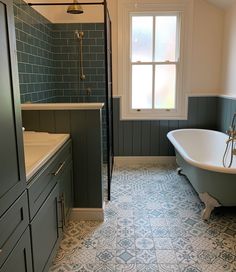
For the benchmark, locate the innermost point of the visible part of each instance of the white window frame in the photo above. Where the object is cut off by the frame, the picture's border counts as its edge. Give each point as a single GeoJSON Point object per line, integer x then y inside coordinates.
{"type": "Point", "coordinates": [125, 10]}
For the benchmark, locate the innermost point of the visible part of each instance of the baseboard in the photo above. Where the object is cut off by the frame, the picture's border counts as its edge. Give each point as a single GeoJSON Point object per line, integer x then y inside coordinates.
{"type": "Point", "coordinates": [91, 214]}
{"type": "Point", "coordinates": [131, 160]}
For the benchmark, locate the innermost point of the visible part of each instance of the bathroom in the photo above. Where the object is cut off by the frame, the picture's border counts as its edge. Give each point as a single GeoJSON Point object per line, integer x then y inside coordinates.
{"type": "Point", "coordinates": [149, 217]}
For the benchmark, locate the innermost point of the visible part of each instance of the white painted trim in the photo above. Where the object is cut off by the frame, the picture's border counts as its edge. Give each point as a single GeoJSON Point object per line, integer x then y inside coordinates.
{"type": "Point", "coordinates": [124, 9]}
{"type": "Point", "coordinates": [142, 160]}
{"type": "Point", "coordinates": [184, 117]}
{"type": "Point", "coordinates": [199, 95]}
{"type": "Point", "coordinates": [62, 106]}
{"type": "Point", "coordinates": [203, 94]}
{"type": "Point", "coordinates": [228, 96]}
{"type": "Point", "coordinates": [91, 214]}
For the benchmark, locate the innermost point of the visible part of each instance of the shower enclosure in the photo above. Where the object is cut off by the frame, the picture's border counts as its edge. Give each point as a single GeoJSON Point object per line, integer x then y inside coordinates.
{"type": "Point", "coordinates": [81, 41]}
{"type": "Point", "coordinates": [109, 99]}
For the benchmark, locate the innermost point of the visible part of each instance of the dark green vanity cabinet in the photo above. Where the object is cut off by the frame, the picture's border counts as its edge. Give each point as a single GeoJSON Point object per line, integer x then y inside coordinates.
{"type": "Point", "coordinates": [15, 247]}
{"type": "Point", "coordinates": [50, 200]}
{"type": "Point", "coordinates": [12, 180]}
{"type": "Point", "coordinates": [31, 217]}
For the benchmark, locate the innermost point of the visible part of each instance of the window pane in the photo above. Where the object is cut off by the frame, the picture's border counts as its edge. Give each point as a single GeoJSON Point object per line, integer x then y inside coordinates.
{"type": "Point", "coordinates": [165, 85]}
{"type": "Point", "coordinates": [142, 32]}
{"type": "Point", "coordinates": [141, 86]}
{"type": "Point", "coordinates": [165, 48]}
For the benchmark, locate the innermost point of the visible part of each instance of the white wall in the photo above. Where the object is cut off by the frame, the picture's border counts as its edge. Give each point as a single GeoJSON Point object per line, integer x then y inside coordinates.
{"type": "Point", "coordinates": [207, 48]}
{"type": "Point", "coordinates": [229, 55]}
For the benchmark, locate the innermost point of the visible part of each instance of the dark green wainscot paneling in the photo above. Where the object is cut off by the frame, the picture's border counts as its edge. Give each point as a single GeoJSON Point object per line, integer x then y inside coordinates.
{"type": "Point", "coordinates": [85, 128]}
{"type": "Point", "coordinates": [226, 108]}
{"type": "Point", "coordinates": [148, 138]}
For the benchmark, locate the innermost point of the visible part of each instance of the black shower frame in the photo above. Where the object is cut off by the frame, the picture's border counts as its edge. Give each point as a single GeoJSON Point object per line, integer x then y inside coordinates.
{"type": "Point", "coordinates": [108, 79]}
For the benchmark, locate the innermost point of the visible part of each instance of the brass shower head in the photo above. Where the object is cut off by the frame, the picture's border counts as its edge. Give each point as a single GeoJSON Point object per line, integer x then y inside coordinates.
{"type": "Point", "coordinates": [75, 9]}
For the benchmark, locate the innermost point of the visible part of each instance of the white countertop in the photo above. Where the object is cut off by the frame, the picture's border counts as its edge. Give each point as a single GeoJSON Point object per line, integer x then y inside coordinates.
{"type": "Point", "coordinates": [39, 147]}
{"type": "Point", "coordinates": [62, 106]}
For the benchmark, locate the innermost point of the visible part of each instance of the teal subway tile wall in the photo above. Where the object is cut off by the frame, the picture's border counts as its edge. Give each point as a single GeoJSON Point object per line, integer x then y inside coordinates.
{"type": "Point", "coordinates": [66, 49]}
{"type": "Point", "coordinates": [34, 54]}
{"type": "Point", "coordinates": [70, 88]}
{"type": "Point", "coordinates": [48, 59]}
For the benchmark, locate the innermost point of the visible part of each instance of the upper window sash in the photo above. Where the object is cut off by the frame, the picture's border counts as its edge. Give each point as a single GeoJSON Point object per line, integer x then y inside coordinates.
{"type": "Point", "coordinates": [152, 35]}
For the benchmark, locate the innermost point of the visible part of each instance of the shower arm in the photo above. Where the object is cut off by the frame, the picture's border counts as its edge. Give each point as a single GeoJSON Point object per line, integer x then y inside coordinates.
{"type": "Point", "coordinates": [65, 4]}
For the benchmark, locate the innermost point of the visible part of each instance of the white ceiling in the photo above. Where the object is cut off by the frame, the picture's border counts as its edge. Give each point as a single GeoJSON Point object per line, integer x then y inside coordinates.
{"type": "Point", "coordinates": [222, 3]}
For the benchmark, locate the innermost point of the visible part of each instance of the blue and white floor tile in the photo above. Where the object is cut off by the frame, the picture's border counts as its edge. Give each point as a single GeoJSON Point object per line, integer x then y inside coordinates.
{"type": "Point", "coordinates": [152, 224]}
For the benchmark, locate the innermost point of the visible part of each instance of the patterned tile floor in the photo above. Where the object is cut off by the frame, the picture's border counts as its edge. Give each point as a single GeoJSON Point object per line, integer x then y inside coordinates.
{"type": "Point", "coordinates": [152, 224]}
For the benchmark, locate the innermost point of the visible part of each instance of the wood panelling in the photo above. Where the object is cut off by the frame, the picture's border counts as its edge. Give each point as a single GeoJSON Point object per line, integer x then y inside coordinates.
{"type": "Point", "coordinates": [131, 138]}
{"type": "Point", "coordinates": [85, 129]}
{"type": "Point", "coordinates": [148, 138]}
{"type": "Point", "coordinates": [225, 111]}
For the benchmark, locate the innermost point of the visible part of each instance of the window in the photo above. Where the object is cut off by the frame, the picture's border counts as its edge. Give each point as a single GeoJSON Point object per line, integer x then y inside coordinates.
{"type": "Point", "coordinates": [154, 49]}
{"type": "Point", "coordinates": [154, 61]}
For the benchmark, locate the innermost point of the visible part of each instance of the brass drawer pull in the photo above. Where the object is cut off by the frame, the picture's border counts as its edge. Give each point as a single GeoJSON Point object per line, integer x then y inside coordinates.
{"type": "Point", "coordinates": [59, 169]}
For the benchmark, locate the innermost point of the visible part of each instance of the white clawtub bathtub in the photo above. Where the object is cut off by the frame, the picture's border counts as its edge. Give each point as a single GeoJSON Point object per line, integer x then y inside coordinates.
{"type": "Point", "coordinates": [200, 153]}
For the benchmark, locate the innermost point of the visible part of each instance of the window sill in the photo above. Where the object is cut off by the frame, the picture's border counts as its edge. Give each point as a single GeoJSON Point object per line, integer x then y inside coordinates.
{"type": "Point", "coordinates": [152, 117]}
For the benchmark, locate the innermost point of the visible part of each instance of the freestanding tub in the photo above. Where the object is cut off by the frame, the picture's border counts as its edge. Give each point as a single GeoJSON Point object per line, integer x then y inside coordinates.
{"type": "Point", "coordinates": [199, 153]}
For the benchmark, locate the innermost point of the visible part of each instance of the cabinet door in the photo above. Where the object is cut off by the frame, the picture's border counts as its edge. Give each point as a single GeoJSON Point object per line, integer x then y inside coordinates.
{"type": "Point", "coordinates": [45, 232]}
{"type": "Point", "coordinates": [20, 259]}
{"type": "Point", "coordinates": [66, 192]}
{"type": "Point", "coordinates": [12, 181]}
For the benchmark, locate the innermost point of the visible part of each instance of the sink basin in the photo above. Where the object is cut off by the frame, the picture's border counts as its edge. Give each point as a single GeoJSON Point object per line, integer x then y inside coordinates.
{"type": "Point", "coordinates": [41, 138]}
{"type": "Point", "coordinates": [33, 154]}
{"type": "Point", "coordinates": [39, 147]}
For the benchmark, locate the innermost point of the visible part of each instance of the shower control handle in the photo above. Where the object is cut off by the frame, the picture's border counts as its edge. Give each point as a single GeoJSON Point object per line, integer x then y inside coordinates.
{"type": "Point", "coordinates": [89, 91]}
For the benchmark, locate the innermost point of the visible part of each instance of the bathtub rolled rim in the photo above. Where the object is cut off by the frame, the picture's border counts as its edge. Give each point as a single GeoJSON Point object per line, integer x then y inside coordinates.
{"type": "Point", "coordinates": [193, 162]}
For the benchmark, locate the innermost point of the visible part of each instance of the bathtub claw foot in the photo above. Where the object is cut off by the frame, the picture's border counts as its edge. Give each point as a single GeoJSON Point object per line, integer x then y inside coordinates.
{"type": "Point", "coordinates": [179, 171]}
{"type": "Point", "coordinates": [210, 204]}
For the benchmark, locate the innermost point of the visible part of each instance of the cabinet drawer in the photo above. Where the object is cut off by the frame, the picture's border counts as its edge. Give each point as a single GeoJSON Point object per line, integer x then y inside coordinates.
{"type": "Point", "coordinates": [12, 224]}
{"type": "Point", "coordinates": [20, 259]}
{"type": "Point", "coordinates": [43, 182]}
